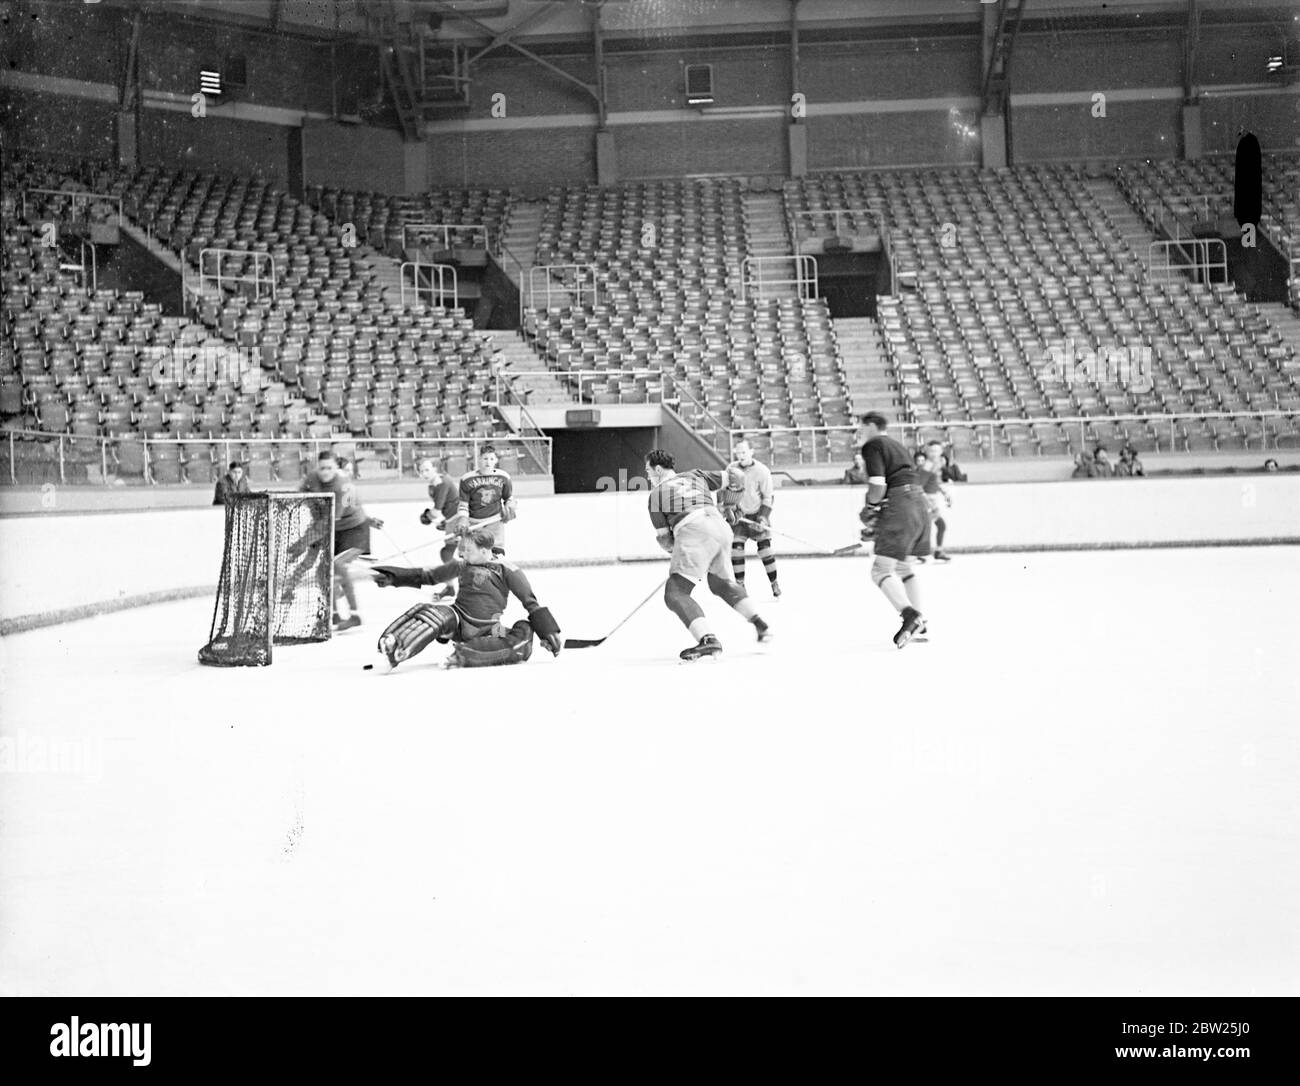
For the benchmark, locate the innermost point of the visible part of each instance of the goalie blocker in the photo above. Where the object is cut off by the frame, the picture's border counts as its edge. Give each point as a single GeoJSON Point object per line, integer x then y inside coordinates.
{"type": "Point", "coordinates": [473, 621]}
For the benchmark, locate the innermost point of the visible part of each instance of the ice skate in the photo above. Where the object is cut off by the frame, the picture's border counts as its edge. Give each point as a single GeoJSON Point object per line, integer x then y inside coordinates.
{"type": "Point", "coordinates": [708, 648]}
{"type": "Point", "coordinates": [912, 621]}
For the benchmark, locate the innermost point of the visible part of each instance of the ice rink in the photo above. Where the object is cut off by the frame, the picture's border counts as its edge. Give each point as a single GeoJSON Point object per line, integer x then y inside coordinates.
{"type": "Point", "coordinates": [1086, 782]}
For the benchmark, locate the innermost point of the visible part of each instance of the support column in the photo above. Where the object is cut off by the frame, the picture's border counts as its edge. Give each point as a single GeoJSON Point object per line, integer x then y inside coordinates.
{"type": "Point", "coordinates": [993, 140]}
{"type": "Point", "coordinates": [415, 167]}
{"type": "Point", "coordinates": [798, 138]}
{"type": "Point", "coordinates": [128, 151]}
{"type": "Point", "coordinates": [606, 158]}
{"type": "Point", "coordinates": [1193, 136]}
{"type": "Point", "coordinates": [796, 132]}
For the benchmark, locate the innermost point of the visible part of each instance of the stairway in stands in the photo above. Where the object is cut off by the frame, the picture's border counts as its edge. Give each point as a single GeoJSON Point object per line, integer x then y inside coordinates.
{"type": "Point", "coordinates": [867, 379]}
{"type": "Point", "coordinates": [523, 227]}
{"type": "Point", "coordinates": [538, 386]}
{"type": "Point", "coordinates": [767, 233]}
{"type": "Point", "coordinates": [387, 275]}
{"type": "Point", "coordinates": [1127, 222]}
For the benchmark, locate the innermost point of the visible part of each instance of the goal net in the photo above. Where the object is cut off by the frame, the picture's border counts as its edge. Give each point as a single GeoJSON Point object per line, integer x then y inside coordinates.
{"type": "Point", "coordinates": [277, 582]}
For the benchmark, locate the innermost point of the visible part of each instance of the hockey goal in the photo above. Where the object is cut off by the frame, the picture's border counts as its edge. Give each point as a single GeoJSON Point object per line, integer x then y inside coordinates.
{"type": "Point", "coordinates": [277, 584]}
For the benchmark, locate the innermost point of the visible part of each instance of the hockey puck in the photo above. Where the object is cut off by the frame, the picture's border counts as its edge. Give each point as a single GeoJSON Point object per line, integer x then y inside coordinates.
{"type": "Point", "coordinates": [368, 667]}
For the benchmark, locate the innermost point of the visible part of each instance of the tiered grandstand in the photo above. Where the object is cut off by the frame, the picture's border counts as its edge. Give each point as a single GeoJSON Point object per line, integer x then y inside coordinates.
{"type": "Point", "coordinates": [1007, 273]}
{"type": "Point", "coordinates": [1006, 280]}
{"type": "Point", "coordinates": [300, 345]}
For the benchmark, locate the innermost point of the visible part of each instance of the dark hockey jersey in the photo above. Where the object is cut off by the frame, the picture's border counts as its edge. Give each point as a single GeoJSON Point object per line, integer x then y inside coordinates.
{"type": "Point", "coordinates": [484, 590]}
{"type": "Point", "coordinates": [681, 494]}
{"type": "Point", "coordinates": [483, 492]}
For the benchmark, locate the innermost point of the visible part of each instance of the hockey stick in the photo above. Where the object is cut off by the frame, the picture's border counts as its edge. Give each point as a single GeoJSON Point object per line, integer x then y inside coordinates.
{"type": "Point", "coordinates": [580, 643]}
{"type": "Point", "coordinates": [836, 553]}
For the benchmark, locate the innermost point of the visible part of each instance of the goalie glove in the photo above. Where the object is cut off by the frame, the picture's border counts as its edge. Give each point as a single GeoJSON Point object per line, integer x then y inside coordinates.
{"type": "Point", "coordinates": [869, 516]}
{"type": "Point", "coordinates": [397, 577]}
{"type": "Point", "coordinates": [547, 630]}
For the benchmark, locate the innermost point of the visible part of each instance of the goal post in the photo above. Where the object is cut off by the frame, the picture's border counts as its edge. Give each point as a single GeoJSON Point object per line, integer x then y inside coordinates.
{"type": "Point", "coordinates": [277, 577]}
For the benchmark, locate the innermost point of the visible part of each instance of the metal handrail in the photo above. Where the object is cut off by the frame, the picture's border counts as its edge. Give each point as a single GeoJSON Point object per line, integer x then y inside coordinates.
{"type": "Point", "coordinates": [76, 195]}
{"type": "Point", "coordinates": [533, 433]}
{"type": "Point", "coordinates": [220, 279]}
{"type": "Point", "coordinates": [1199, 262]}
{"type": "Point", "coordinates": [539, 449]}
{"type": "Point", "coordinates": [904, 430]}
{"type": "Point", "coordinates": [575, 380]}
{"type": "Point", "coordinates": [553, 282]}
{"type": "Point", "coordinates": [437, 288]}
{"type": "Point", "coordinates": [446, 229]}
{"type": "Point", "coordinates": [804, 279]}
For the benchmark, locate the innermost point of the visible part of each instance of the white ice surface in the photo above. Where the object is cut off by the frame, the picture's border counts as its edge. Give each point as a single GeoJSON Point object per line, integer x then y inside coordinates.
{"type": "Point", "coordinates": [1087, 782]}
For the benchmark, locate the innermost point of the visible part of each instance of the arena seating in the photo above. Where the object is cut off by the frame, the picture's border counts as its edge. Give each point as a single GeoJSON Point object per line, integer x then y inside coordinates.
{"type": "Point", "coordinates": [666, 257]}
{"type": "Point", "coordinates": [1203, 189]}
{"type": "Point", "coordinates": [379, 218]}
{"type": "Point", "coordinates": [328, 356]}
{"type": "Point", "coordinates": [1035, 264]}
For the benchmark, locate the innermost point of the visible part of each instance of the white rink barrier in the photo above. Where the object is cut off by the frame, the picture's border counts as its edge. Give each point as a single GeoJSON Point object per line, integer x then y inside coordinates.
{"type": "Point", "coordinates": [60, 566]}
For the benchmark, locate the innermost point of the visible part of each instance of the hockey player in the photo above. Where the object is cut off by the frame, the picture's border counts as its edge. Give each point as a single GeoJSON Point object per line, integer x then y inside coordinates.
{"type": "Point", "coordinates": [486, 499]}
{"type": "Point", "coordinates": [938, 494]}
{"type": "Point", "coordinates": [689, 527]}
{"type": "Point", "coordinates": [351, 527]}
{"type": "Point", "coordinates": [896, 518]}
{"type": "Point", "coordinates": [473, 621]}
{"type": "Point", "coordinates": [748, 509]}
{"type": "Point", "coordinates": [444, 495]}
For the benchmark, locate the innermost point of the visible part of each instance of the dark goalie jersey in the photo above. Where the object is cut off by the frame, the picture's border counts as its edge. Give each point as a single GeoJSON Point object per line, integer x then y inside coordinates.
{"type": "Point", "coordinates": [484, 590]}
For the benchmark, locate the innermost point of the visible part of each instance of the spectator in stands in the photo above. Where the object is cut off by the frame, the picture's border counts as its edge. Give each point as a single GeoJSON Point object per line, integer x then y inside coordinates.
{"type": "Point", "coordinates": [1129, 464]}
{"type": "Point", "coordinates": [1085, 466]}
{"type": "Point", "coordinates": [1101, 461]}
{"type": "Point", "coordinates": [1270, 464]}
{"type": "Point", "coordinates": [233, 482]}
{"type": "Point", "coordinates": [856, 475]}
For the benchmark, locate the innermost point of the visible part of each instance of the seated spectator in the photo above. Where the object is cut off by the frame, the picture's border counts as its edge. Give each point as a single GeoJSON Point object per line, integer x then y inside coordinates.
{"type": "Point", "coordinates": [1101, 461]}
{"type": "Point", "coordinates": [233, 482]}
{"type": "Point", "coordinates": [1085, 466]}
{"type": "Point", "coordinates": [857, 475]}
{"type": "Point", "coordinates": [1270, 464]}
{"type": "Point", "coordinates": [949, 470]}
{"type": "Point", "coordinates": [1129, 464]}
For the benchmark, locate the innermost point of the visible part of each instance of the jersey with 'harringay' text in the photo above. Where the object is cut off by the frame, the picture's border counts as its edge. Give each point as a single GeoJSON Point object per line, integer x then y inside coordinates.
{"type": "Point", "coordinates": [887, 459]}
{"type": "Point", "coordinates": [483, 492]}
{"type": "Point", "coordinates": [682, 494]}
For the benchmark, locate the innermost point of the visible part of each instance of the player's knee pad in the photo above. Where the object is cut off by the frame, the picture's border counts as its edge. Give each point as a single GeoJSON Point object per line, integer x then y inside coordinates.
{"type": "Point", "coordinates": [492, 650]}
{"type": "Point", "coordinates": [729, 592]}
{"type": "Point", "coordinates": [882, 569]}
{"type": "Point", "coordinates": [903, 568]}
{"type": "Point", "coordinates": [410, 633]}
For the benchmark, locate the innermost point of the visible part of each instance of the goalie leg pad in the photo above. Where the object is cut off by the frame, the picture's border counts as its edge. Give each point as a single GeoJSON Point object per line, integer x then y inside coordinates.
{"type": "Point", "coordinates": [410, 633]}
{"type": "Point", "coordinates": [513, 647]}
